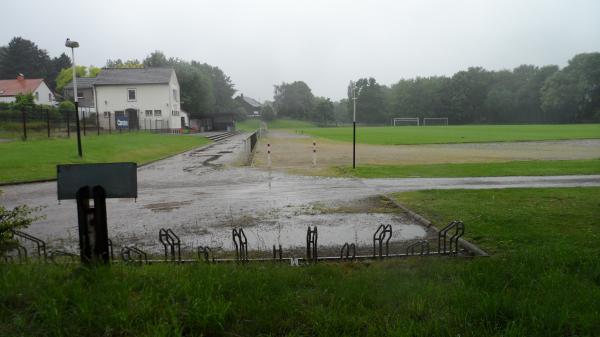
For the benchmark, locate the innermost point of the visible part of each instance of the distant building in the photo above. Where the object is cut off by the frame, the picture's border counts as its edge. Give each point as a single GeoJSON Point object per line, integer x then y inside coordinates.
{"type": "Point", "coordinates": [138, 98]}
{"type": "Point", "coordinates": [9, 89]}
{"type": "Point", "coordinates": [85, 94]}
{"type": "Point", "coordinates": [250, 105]}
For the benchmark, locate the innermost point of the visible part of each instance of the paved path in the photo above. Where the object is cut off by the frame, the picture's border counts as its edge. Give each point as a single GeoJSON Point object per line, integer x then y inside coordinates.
{"type": "Point", "coordinates": [192, 191]}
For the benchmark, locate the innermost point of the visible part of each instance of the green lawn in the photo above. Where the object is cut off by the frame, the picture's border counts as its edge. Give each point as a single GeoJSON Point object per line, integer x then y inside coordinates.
{"type": "Point", "coordinates": [37, 159]}
{"type": "Point", "coordinates": [512, 168]}
{"type": "Point", "coordinates": [543, 279]}
{"type": "Point", "coordinates": [458, 134]}
{"type": "Point", "coordinates": [253, 124]}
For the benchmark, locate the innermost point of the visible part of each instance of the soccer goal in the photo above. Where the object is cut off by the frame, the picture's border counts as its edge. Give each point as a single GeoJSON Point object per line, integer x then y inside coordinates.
{"type": "Point", "coordinates": [435, 121]}
{"type": "Point", "coordinates": [405, 121]}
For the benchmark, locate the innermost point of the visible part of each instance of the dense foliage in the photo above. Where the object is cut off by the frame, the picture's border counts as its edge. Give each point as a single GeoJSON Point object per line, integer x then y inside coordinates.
{"type": "Point", "coordinates": [526, 94]}
{"type": "Point", "coordinates": [25, 57]}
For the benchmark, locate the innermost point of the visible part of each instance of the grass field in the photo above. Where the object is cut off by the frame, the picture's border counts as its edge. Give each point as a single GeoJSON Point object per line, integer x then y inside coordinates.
{"type": "Point", "coordinates": [512, 168]}
{"type": "Point", "coordinates": [543, 279]}
{"type": "Point", "coordinates": [37, 159]}
{"type": "Point", "coordinates": [457, 134]}
{"type": "Point", "coordinates": [253, 124]}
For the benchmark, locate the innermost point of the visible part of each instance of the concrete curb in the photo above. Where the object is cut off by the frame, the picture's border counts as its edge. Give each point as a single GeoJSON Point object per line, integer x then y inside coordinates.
{"type": "Point", "coordinates": [427, 223]}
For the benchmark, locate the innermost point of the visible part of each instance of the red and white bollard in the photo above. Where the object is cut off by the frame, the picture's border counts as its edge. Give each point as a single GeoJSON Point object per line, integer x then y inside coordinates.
{"type": "Point", "coordinates": [314, 153]}
{"type": "Point", "coordinates": [268, 155]}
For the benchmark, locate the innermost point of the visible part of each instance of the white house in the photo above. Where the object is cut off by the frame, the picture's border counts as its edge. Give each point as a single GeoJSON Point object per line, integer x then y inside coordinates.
{"type": "Point", "coordinates": [9, 89]}
{"type": "Point", "coordinates": [139, 98]}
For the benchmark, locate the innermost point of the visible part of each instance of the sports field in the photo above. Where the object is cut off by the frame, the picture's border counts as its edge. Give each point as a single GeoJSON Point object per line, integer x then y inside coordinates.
{"type": "Point", "coordinates": [456, 134]}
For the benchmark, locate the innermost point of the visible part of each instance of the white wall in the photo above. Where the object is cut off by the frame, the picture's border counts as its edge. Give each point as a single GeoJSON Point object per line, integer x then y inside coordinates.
{"type": "Point", "coordinates": [148, 97]}
{"type": "Point", "coordinates": [42, 92]}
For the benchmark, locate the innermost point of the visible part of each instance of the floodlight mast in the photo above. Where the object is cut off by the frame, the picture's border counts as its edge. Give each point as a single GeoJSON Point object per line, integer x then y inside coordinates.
{"type": "Point", "coordinates": [73, 45]}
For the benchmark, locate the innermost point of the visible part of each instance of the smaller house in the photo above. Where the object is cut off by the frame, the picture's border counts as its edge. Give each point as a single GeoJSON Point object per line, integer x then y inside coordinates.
{"type": "Point", "coordinates": [9, 89]}
{"type": "Point", "coordinates": [85, 92]}
{"type": "Point", "coordinates": [250, 105]}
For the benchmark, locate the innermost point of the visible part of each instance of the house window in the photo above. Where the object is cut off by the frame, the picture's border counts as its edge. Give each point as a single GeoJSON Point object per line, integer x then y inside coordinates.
{"type": "Point", "coordinates": [80, 95]}
{"type": "Point", "coordinates": [175, 113]}
{"type": "Point", "coordinates": [50, 97]}
{"type": "Point", "coordinates": [157, 113]}
{"type": "Point", "coordinates": [131, 95]}
{"type": "Point", "coordinates": [106, 114]}
{"type": "Point", "coordinates": [175, 95]}
{"type": "Point", "coordinates": [37, 96]}
{"type": "Point", "coordinates": [148, 113]}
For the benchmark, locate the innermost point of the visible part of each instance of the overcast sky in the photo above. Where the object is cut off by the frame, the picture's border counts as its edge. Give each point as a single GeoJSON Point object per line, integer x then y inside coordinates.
{"type": "Point", "coordinates": [324, 43]}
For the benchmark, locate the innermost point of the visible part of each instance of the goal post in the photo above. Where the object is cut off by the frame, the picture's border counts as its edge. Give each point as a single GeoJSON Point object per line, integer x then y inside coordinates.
{"type": "Point", "coordinates": [403, 121]}
{"type": "Point", "coordinates": [435, 121]}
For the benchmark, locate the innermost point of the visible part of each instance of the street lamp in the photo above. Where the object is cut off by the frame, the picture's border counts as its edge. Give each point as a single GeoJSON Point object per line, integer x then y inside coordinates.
{"type": "Point", "coordinates": [353, 88]}
{"type": "Point", "coordinates": [73, 45]}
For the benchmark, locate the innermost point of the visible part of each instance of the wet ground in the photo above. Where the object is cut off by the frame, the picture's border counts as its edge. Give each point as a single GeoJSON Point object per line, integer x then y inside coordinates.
{"type": "Point", "coordinates": [201, 197]}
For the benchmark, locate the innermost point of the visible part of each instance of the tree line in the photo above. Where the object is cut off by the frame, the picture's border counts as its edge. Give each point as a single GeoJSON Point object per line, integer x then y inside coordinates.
{"type": "Point", "coordinates": [525, 94]}
{"type": "Point", "coordinates": [205, 89]}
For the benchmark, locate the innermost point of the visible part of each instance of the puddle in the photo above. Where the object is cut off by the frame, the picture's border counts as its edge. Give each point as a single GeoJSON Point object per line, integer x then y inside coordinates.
{"type": "Point", "coordinates": [167, 206]}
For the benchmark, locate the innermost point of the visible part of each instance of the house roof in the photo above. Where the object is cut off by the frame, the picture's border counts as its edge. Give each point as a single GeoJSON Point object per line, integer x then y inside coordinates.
{"type": "Point", "coordinates": [125, 76]}
{"type": "Point", "coordinates": [82, 83]}
{"type": "Point", "coordinates": [251, 101]}
{"type": "Point", "coordinates": [19, 86]}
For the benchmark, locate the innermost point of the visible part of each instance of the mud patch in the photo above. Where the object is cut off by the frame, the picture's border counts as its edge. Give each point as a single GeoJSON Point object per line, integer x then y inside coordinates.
{"type": "Point", "coordinates": [167, 206]}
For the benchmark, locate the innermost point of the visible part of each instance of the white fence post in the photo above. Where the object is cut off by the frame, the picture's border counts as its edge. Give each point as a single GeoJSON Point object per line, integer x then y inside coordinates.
{"type": "Point", "coordinates": [269, 155]}
{"type": "Point", "coordinates": [314, 153]}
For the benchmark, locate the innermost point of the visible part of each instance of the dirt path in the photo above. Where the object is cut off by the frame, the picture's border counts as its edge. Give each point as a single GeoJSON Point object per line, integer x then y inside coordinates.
{"type": "Point", "coordinates": [294, 151]}
{"type": "Point", "coordinates": [201, 197]}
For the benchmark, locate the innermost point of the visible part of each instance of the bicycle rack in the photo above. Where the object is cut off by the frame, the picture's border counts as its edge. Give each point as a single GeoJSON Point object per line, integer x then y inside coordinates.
{"type": "Point", "coordinates": [204, 253]}
{"type": "Point", "coordinates": [171, 242]}
{"type": "Point", "coordinates": [40, 244]}
{"type": "Point", "coordinates": [21, 253]}
{"type": "Point", "coordinates": [422, 244]}
{"type": "Point", "coordinates": [55, 253]}
{"type": "Point", "coordinates": [140, 255]}
{"type": "Point", "coordinates": [445, 245]}
{"type": "Point", "coordinates": [110, 249]}
{"type": "Point", "coordinates": [345, 252]}
{"type": "Point", "coordinates": [241, 244]}
{"type": "Point", "coordinates": [277, 253]}
{"type": "Point", "coordinates": [311, 243]}
{"type": "Point", "coordinates": [382, 232]}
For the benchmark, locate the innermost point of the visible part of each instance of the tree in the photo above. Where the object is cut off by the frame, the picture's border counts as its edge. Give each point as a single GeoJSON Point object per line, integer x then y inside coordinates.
{"type": "Point", "coordinates": [370, 102]}
{"type": "Point", "coordinates": [24, 101]}
{"type": "Point", "coordinates": [66, 75]}
{"type": "Point", "coordinates": [293, 100]}
{"type": "Point", "coordinates": [13, 219]}
{"type": "Point", "coordinates": [573, 93]}
{"type": "Point", "coordinates": [118, 63]}
{"type": "Point", "coordinates": [23, 56]}
{"type": "Point", "coordinates": [323, 110]}
{"type": "Point", "coordinates": [267, 112]}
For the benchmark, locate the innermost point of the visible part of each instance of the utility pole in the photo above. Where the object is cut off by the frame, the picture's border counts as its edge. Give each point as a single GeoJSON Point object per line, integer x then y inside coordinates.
{"type": "Point", "coordinates": [353, 126]}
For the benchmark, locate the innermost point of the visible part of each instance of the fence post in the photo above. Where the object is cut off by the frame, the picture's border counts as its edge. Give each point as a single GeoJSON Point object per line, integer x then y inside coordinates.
{"type": "Point", "coordinates": [48, 121]}
{"type": "Point", "coordinates": [68, 126]}
{"type": "Point", "coordinates": [97, 122]}
{"type": "Point", "coordinates": [109, 123]}
{"type": "Point", "coordinates": [83, 114]}
{"type": "Point", "coordinates": [24, 123]}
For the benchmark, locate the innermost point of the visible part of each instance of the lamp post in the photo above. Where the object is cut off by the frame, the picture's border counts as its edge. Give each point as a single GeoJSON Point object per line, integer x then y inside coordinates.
{"type": "Point", "coordinates": [73, 45]}
{"type": "Point", "coordinates": [353, 88]}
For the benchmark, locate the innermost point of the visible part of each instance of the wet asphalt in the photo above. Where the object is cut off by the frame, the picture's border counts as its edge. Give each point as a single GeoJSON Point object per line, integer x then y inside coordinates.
{"type": "Point", "coordinates": [200, 196]}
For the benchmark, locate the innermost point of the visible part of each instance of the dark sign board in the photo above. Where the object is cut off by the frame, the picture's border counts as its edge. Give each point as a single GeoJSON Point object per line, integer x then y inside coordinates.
{"type": "Point", "coordinates": [122, 122]}
{"type": "Point", "coordinates": [119, 180]}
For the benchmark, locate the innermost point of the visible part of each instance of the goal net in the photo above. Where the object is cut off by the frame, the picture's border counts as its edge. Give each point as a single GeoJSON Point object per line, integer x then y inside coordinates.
{"type": "Point", "coordinates": [435, 121]}
{"type": "Point", "coordinates": [405, 121]}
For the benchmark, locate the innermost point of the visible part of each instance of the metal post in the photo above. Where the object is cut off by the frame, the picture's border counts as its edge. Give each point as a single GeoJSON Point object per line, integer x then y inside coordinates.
{"type": "Point", "coordinates": [354, 127]}
{"type": "Point", "coordinates": [68, 126]}
{"type": "Point", "coordinates": [84, 128]}
{"type": "Point", "coordinates": [109, 123]}
{"type": "Point", "coordinates": [48, 121]}
{"type": "Point", "coordinates": [97, 122]}
{"type": "Point", "coordinates": [24, 123]}
{"type": "Point", "coordinates": [79, 151]}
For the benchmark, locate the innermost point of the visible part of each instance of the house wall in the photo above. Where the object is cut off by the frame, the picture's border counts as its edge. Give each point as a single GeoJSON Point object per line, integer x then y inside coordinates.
{"type": "Point", "coordinates": [88, 99]}
{"type": "Point", "coordinates": [43, 95]}
{"type": "Point", "coordinates": [148, 97]}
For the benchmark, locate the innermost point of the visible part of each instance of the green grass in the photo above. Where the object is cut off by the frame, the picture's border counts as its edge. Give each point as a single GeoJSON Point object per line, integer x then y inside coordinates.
{"type": "Point", "coordinates": [512, 168]}
{"type": "Point", "coordinates": [458, 134]}
{"type": "Point", "coordinates": [543, 280]}
{"type": "Point", "coordinates": [253, 124]}
{"type": "Point", "coordinates": [37, 159]}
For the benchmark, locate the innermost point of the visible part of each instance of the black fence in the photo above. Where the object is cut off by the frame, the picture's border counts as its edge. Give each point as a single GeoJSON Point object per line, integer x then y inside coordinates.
{"type": "Point", "coordinates": [45, 122]}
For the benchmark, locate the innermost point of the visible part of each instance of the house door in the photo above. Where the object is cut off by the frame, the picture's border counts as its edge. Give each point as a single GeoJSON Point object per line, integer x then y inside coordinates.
{"type": "Point", "coordinates": [183, 122]}
{"type": "Point", "coordinates": [133, 119]}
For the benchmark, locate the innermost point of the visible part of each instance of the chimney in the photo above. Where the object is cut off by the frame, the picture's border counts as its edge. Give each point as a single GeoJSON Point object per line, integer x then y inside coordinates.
{"type": "Point", "coordinates": [21, 77]}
